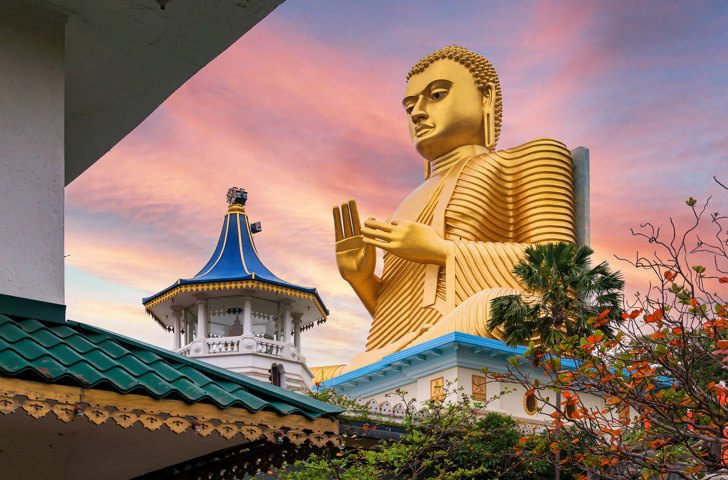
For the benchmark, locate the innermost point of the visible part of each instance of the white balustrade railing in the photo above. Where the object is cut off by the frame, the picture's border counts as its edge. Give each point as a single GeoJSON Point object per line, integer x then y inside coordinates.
{"type": "Point", "coordinates": [223, 345]}
{"type": "Point", "coordinates": [269, 347]}
{"type": "Point", "coordinates": [234, 345]}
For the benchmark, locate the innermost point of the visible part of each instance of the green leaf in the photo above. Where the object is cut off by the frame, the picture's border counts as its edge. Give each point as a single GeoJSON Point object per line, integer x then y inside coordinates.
{"type": "Point", "coordinates": [513, 361]}
{"type": "Point", "coordinates": [691, 202]}
{"type": "Point", "coordinates": [556, 362]}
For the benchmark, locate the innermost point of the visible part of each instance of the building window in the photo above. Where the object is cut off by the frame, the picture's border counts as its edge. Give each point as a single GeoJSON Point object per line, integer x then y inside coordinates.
{"type": "Point", "coordinates": [479, 390]}
{"type": "Point", "coordinates": [277, 376]}
{"type": "Point", "coordinates": [530, 404]}
{"type": "Point", "coordinates": [436, 389]}
{"type": "Point", "coordinates": [624, 415]}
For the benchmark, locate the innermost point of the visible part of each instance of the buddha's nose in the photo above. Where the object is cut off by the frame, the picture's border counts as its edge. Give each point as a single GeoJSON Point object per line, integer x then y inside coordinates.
{"type": "Point", "coordinates": [418, 114]}
{"type": "Point", "coordinates": [418, 111]}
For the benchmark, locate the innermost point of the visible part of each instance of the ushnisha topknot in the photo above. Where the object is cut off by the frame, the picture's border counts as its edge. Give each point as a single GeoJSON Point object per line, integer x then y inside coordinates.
{"type": "Point", "coordinates": [481, 69]}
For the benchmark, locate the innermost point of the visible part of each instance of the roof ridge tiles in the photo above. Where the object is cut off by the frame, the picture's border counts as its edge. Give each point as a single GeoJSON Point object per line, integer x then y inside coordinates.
{"type": "Point", "coordinates": [27, 348]}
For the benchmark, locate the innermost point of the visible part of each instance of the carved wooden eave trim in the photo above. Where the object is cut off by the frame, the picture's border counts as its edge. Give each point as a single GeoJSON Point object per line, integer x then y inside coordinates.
{"type": "Point", "coordinates": [229, 285]}
{"type": "Point", "coordinates": [98, 406]}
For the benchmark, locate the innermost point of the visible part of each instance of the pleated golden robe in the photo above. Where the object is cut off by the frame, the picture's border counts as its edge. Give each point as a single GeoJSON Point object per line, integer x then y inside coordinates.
{"type": "Point", "coordinates": [489, 208]}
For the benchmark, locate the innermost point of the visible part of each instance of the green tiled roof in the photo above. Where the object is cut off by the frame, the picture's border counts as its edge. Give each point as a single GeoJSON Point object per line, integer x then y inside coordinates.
{"type": "Point", "coordinates": [72, 353]}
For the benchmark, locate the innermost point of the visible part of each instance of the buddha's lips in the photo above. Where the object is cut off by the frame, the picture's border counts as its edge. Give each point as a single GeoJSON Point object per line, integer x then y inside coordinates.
{"type": "Point", "coordinates": [422, 129]}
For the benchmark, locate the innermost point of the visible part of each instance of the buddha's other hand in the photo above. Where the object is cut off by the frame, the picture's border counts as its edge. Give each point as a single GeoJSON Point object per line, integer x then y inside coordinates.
{"type": "Point", "coordinates": [412, 241]}
{"type": "Point", "coordinates": [355, 259]}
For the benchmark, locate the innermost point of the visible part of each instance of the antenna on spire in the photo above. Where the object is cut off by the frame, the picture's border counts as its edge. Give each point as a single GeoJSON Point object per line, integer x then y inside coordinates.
{"type": "Point", "coordinates": [237, 195]}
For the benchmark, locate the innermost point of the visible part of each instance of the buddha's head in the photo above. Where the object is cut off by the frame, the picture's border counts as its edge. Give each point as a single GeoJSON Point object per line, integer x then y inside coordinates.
{"type": "Point", "coordinates": [453, 98]}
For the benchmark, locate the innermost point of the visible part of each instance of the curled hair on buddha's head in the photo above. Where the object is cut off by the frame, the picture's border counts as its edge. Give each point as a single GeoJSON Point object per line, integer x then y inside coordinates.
{"type": "Point", "coordinates": [481, 69]}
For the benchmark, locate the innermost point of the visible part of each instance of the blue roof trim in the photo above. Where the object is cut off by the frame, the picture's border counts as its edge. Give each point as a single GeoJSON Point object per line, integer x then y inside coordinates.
{"type": "Point", "coordinates": [218, 249]}
{"type": "Point", "coordinates": [453, 337]}
{"type": "Point", "coordinates": [236, 258]}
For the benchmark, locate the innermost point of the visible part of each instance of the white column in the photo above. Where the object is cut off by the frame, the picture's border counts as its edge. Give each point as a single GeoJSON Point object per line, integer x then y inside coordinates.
{"type": "Point", "coordinates": [201, 318]}
{"type": "Point", "coordinates": [177, 313]}
{"type": "Point", "coordinates": [297, 330]}
{"type": "Point", "coordinates": [287, 326]}
{"type": "Point", "coordinates": [247, 316]}
{"type": "Point", "coordinates": [31, 154]}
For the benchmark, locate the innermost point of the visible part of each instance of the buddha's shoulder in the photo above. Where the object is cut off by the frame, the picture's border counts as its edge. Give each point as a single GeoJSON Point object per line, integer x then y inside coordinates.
{"type": "Point", "coordinates": [538, 150]}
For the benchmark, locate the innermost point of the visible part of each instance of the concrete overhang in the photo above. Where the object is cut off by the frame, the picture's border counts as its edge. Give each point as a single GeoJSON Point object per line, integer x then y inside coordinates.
{"type": "Point", "coordinates": [123, 58]}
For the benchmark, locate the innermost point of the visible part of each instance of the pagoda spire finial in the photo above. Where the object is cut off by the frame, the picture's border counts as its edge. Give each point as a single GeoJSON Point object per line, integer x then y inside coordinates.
{"type": "Point", "coordinates": [236, 198]}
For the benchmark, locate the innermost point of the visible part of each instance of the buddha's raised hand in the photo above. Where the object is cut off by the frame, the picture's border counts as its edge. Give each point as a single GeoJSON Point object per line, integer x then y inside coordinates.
{"type": "Point", "coordinates": [412, 241]}
{"type": "Point", "coordinates": [356, 261]}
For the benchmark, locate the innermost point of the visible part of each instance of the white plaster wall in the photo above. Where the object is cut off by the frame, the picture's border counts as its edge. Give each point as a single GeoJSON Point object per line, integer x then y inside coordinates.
{"type": "Point", "coordinates": [31, 156]}
{"type": "Point", "coordinates": [410, 388]}
{"type": "Point", "coordinates": [423, 383]}
{"type": "Point", "coordinates": [510, 403]}
{"type": "Point", "coordinates": [297, 375]}
{"type": "Point", "coordinates": [465, 378]}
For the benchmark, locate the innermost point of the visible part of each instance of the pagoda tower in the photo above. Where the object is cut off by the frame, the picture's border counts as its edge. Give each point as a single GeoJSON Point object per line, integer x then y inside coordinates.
{"type": "Point", "coordinates": [238, 315]}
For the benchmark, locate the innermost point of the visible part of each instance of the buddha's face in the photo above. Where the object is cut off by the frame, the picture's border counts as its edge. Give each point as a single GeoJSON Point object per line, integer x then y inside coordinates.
{"type": "Point", "coordinates": [445, 109]}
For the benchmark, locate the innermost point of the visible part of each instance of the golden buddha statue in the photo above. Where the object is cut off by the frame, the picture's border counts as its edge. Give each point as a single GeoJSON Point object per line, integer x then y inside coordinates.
{"type": "Point", "coordinates": [451, 246]}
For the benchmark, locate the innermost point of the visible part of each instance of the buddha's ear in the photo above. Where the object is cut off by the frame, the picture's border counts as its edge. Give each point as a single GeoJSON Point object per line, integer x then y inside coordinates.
{"type": "Point", "coordinates": [489, 115]}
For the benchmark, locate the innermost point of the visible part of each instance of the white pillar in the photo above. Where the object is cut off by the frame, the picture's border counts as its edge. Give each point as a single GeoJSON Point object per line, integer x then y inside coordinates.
{"type": "Point", "coordinates": [201, 318]}
{"type": "Point", "coordinates": [247, 316]}
{"type": "Point", "coordinates": [287, 326]}
{"type": "Point", "coordinates": [297, 330]}
{"type": "Point", "coordinates": [31, 154]}
{"type": "Point", "coordinates": [177, 313]}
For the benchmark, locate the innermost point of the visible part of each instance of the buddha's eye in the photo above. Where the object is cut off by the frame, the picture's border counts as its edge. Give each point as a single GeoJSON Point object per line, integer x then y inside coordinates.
{"type": "Point", "coordinates": [439, 94]}
{"type": "Point", "coordinates": [409, 109]}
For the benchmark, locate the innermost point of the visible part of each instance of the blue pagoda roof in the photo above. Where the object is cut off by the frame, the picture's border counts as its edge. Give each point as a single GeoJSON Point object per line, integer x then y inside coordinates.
{"type": "Point", "coordinates": [236, 259]}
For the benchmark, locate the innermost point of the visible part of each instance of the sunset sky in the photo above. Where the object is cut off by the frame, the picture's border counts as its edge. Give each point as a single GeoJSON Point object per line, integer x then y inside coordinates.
{"type": "Point", "coordinates": [304, 112]}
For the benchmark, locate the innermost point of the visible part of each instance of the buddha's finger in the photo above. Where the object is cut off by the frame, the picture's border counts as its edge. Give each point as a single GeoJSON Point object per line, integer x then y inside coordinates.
{"type": "Point", "coordinates": [347, 220]}
{"type": "Point", "coordinates": [355, 222]}
{"type": "Point", "coordinates": [371, 223]}
{"type": "Point", "coordinates": [337, 225]}
{"type": "Point", "coordinates": [372, 233]}
{"type": "Point", "coordinates": [377, 243]}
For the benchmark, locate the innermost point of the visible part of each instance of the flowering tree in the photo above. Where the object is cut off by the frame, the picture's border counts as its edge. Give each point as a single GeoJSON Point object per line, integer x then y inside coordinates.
{"type": "Point", "coordinates": [449, 438]}
{"type": "Point", "coordinates": [660, 375]}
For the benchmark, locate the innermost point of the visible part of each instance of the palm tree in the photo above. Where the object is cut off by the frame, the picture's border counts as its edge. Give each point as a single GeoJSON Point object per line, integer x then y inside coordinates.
{"type": "Point", "coordinates": [562, 292]}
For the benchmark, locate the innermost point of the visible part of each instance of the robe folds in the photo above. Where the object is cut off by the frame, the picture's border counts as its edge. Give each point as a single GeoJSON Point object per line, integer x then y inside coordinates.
{"type": "Point", "coordinates": [489, 208]}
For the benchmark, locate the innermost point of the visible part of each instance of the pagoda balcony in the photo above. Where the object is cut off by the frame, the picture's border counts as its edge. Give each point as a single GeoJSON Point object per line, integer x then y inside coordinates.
{"type": "Point", "coordinates": [241, 345]}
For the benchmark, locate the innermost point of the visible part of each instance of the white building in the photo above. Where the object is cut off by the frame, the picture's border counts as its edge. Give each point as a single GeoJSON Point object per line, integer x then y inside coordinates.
{"type": "Point", "coordinates": [238, 315]}
{"type": "Point", "coordinates": [457, 359]}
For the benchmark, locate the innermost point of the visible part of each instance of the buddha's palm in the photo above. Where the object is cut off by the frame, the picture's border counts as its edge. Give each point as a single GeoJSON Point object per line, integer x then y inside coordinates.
{"type": "Point", "coordinates": [355, 259]}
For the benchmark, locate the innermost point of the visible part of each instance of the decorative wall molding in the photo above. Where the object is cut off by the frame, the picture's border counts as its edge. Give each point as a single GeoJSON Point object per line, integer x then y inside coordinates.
{"type": "Point", "coordinates": [98, 406]}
